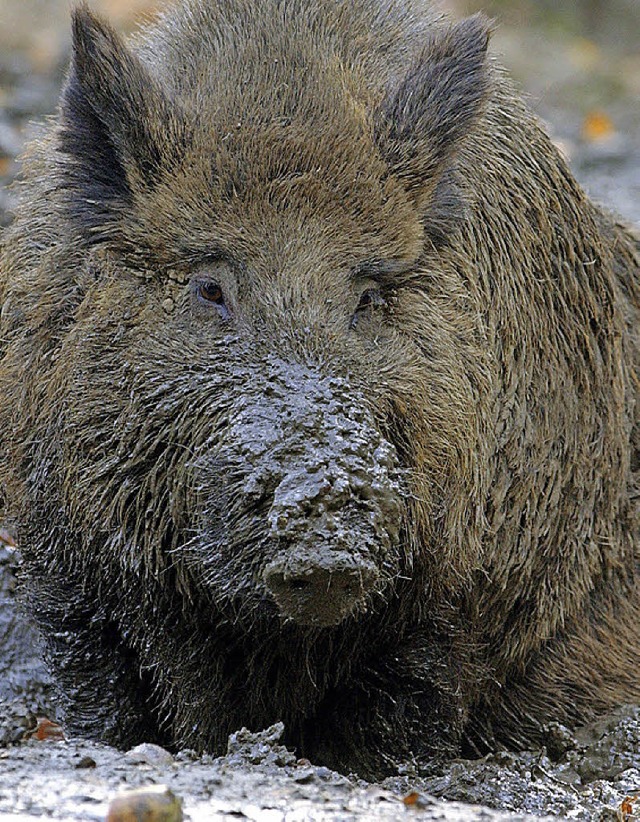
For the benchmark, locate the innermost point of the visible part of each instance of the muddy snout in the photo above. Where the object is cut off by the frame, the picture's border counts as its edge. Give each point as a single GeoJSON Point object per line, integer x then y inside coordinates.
{"type": "Point", "coordinates": [333, 535]}
{"type": "Point", "coordinates": [320, 587]}
{"type": "Point", "coordinates": [306, 499]}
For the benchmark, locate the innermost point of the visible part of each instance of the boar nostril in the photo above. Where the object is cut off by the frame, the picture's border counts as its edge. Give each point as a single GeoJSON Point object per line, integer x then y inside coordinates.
{"type": "Point", "coordinates": [319, 591]}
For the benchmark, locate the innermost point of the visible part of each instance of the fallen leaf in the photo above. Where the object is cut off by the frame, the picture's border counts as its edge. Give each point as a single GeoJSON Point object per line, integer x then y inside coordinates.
{"type": "Point", "coordinates": [46, 731]}
{"type": "Point", "coordinates": [626, 809]}
{"type": "Point", "coordinates": [6, 538]}
{"type": "Point", "coordinates": [597, 127]}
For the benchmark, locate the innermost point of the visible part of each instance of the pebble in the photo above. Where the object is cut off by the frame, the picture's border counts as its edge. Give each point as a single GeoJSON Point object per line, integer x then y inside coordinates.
{"type": "Point", "coordinates": [149, 754]}
{"type": "Point", "coordinates": [155, 803]}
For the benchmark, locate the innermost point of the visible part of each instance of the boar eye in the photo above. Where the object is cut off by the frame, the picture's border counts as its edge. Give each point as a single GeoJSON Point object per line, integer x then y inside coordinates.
{"type": "Point", "coordinates": [369, 301]}
{"type": "Point", "coordinates": [371, 298]}
{"type": "Point", "coordinates": [210, 294]}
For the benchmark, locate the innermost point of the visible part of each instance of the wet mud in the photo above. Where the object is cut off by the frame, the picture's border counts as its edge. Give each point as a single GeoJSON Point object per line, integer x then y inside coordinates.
{"type": "Point", "coordinates": [25, 690]}
{"type": "Point", "coordinates": [588, 777]}
{"type": "Point", "coordinates": [257, 780]}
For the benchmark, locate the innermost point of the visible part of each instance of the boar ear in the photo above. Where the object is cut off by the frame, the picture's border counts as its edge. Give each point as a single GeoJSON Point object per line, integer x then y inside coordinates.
{"type": "Point", "coordinates": [108, 110]}
{"type": "Point", "coordinates": [421, 123]}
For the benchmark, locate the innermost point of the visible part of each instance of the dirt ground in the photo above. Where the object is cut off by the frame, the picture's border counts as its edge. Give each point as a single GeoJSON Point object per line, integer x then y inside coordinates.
{"type": "Point", "coordinates": [582, 75]}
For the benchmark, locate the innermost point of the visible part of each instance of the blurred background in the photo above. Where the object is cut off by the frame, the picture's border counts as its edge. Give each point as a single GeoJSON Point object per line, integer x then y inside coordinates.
{"type": "Point", "coordinates": [578, 62]}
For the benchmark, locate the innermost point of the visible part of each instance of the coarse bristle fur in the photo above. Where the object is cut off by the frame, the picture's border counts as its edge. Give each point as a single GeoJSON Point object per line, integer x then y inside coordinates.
{"type": "Point", "coordinates": [299, 294]}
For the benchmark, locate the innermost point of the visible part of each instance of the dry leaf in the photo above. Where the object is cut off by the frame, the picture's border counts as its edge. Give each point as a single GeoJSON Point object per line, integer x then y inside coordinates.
{"type": "Point", "coordinates": [5, 536]}
{"type": "Point", "coordinates": [626, 810]}
{"type": "Point", "coordinates": [597, 127]}
{"type": "Point", "coordinates": [46, 731]}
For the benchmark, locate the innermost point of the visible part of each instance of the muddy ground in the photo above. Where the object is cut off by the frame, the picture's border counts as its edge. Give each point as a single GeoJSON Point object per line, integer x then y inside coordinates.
{"type": "Point", "coordinates": [584, 80]}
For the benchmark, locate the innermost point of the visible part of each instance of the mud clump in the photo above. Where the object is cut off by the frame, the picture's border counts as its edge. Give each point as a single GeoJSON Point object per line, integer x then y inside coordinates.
{"type": "Point", "coordinates": [583, 775]}
{"type": "Point", "coordinates": [79, 779]}
{"type": "Point", "coordinates": [246, 748]}
{"type": "Point", "coordinates": [609, 748]}
{"type": "Point", "coordinates": [318, 378]}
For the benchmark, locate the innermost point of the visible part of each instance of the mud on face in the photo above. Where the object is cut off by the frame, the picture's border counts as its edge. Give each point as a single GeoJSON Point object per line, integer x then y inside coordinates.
{"type": "Point", "coordinates": [301, 499]}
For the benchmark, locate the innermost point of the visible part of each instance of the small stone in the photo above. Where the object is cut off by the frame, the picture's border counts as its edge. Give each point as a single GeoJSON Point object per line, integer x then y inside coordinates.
{"type": "Point", "coordinates": [149, 754]}
{"type": "Point", "coordinates": [304, 776]}
{"type": "Point", "coordinates": [155, 803]}
{"type": "Point", "coordinates": [177, 276]}
{"type": "Point", "coordinates": [168, 305]}
{"type": "Point", "coordinates": [187, 755]}
{"type": "Point", "coordinates": [559, 740]}
{"type": "Point", "coordinates": [86, 762]}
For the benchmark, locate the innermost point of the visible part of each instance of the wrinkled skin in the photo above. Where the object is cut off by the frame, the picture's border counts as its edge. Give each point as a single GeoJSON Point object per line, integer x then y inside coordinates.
{"type": "Point", "coordinates": [318, 392]}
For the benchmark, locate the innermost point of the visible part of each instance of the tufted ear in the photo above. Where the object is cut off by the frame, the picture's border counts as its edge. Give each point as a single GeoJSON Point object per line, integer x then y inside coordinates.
{"type": "Point", "coordinates": [117, 128]}
{"type": "Point", "coordinates": [422, 121]}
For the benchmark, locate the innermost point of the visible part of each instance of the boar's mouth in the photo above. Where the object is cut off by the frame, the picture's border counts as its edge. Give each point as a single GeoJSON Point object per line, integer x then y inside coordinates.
{"type": "Point", "coordinates": [319, 588]}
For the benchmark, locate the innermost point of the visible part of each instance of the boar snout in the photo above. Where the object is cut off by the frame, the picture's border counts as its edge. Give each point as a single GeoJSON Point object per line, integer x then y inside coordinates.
{"type": "Point", "coordinates": [335, 527]}
{"type": "Point", "coordinates": [301, 500]}
{"type": "Point", "coordinates": [319, 588]}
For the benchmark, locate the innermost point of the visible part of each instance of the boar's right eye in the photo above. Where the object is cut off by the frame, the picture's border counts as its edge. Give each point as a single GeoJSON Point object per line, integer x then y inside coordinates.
{"type": "Point", "coordinates": [209, 293]}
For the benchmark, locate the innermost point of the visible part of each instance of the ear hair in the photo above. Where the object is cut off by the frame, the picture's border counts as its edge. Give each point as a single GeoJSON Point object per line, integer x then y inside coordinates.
{"type": "Point", "coordinates": [421, 122]}
{"type": "Point", "coordinates": [109, 110]}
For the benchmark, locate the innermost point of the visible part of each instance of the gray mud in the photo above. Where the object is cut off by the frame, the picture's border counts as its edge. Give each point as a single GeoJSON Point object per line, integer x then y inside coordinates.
{"type": "Point", "coordinates": [261, 780]}
{"type": "Point", "coordinates": [258, 780]}
{"type": "Point", "coordinates": [24, 685]}
{"type": "Point", "coordinates": [583, 776]}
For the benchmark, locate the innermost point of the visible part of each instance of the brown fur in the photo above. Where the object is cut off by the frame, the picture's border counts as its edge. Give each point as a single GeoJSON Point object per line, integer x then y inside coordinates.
{"type": "Point", "coordinates": [304, 154]}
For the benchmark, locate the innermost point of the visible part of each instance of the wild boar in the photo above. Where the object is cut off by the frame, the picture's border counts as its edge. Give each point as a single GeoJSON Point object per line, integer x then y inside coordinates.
{"type": "Point", "coordinates": [318, 387]}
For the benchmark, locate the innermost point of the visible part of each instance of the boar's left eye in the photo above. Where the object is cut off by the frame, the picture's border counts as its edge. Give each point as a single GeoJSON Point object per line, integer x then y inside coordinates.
{"type": "Point", "coordinates": [210, 293]}
{"type": "Point", "coordinates": [369, 301]}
